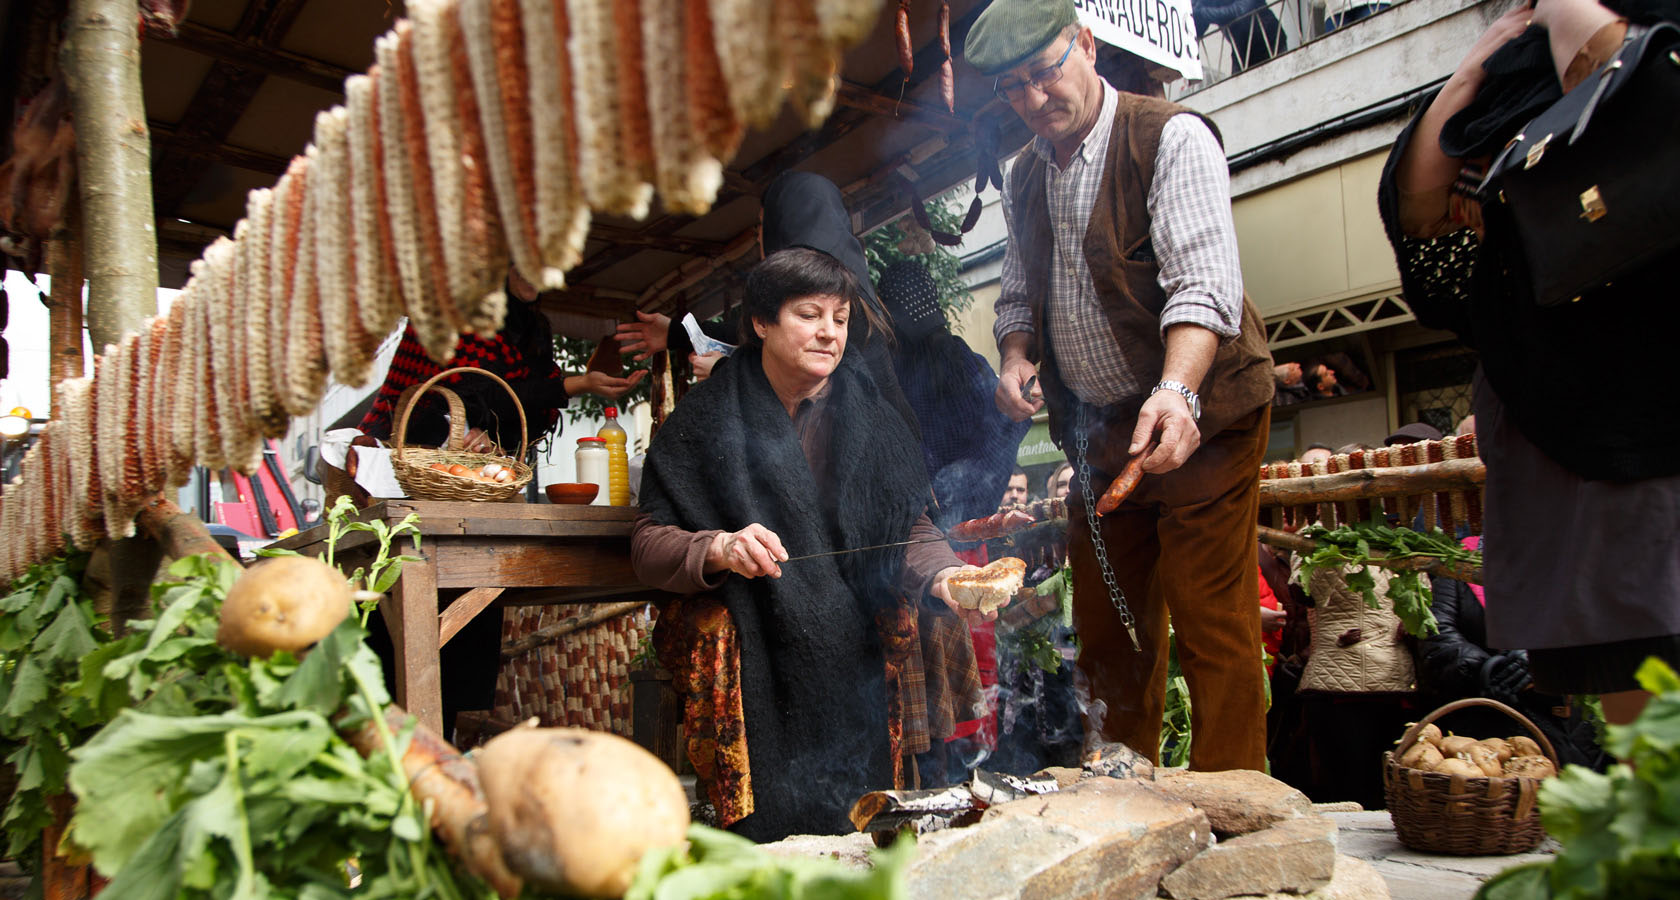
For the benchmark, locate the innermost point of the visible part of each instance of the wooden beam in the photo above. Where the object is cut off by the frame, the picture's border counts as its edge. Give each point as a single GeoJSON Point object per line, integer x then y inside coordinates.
{"type": "Point", "coordinates": [226, 154]}
{"type": "Point", "coordinates": [667, 242]}
{"type": "Point", "coordinates": [221, 98]}
{"type": "Point", "coordinates": [1372, 484]}
{"type": "Point", "coordinates": [268, 60]}
{"type": "Point", "coordinates": [856, 96]}
{"type": "Point", "coordinates": [465, 608]}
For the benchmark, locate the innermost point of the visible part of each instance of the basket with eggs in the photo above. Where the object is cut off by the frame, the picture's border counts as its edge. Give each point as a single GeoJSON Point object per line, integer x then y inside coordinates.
{"type": "Point", "coordinates": [449, 472]}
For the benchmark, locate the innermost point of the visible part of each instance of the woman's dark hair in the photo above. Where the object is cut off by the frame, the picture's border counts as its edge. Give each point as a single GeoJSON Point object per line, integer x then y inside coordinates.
{"type": "Point", "coordinates": [799, 272]}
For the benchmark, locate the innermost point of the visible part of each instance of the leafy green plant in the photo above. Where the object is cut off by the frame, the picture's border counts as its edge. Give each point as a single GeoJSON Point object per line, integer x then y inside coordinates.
{"type": "Point", "coordinates": [382, 573]}
{"type": "Point", "coordinates": [1033, 643]}
{"type": "Point", "coordinates": [1620, 830]}
{"type": "Point", "coordinates": [881, 250]}
{"type": "Point", "coordinates": [1408, 589]}
{"type": "Point", "coordinates": [47, 629]}
{"type": "Point", "coordinates": [228, 777]}
{"type": "Point", "coordinates": [718, 865]}
{"type": "Point", "coordinates": [1175, 715]}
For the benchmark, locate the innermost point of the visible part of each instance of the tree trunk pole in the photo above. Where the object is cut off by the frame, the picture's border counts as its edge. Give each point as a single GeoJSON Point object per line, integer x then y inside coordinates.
{"type": "Point", "coordinates": [114, 168]}
{"type": "Point", "coordinates": [64, 264]}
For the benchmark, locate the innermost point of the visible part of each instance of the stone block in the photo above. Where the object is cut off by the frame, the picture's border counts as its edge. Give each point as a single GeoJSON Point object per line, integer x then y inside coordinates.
{"type": "Point", "coordinates": [851, 849]}
{"type": "Point", "coordinates": [1355, 879]}
{"type": "Point", "coordinates": [1103, 838]}
{"type": "Point", "coordinates": [1295, 856]}
{"type": "Point", "coordinates": [1236, 802]}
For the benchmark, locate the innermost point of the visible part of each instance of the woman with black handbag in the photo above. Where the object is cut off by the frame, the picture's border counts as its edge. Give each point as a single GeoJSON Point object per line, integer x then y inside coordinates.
{"type": "Point", "coordinates": [1572, 400]}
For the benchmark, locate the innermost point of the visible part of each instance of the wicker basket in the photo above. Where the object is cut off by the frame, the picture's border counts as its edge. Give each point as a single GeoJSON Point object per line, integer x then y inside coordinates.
{"type": "Point", "coordinates": [1461, 816]}
{"type": "Point", "coordinates": [413, 465]}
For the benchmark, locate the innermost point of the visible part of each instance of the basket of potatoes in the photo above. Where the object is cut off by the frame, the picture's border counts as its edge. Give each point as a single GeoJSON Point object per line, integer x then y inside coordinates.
{"type": "Point", "coordinates": [450, 472]}
{"type": "Point", "coordinates": [1463, 796]}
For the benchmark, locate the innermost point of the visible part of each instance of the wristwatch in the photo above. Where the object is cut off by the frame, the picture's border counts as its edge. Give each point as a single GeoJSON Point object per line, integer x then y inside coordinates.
{"type": "Point", "coordinates": [1181, 389]}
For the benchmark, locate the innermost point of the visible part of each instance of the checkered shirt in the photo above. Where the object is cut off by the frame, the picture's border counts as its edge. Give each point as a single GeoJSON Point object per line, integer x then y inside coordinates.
{"type": "Point", "coordinates": [1194, 239]}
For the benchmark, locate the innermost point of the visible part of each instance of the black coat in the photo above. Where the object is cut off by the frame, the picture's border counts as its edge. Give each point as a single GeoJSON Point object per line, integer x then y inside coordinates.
{"type": "Point", "coordinates": [1450, 666]}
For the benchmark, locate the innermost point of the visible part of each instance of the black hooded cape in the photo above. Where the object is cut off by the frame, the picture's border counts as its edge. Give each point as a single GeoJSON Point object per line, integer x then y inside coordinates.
{"type": "Point", "coordinates": [812, 666]}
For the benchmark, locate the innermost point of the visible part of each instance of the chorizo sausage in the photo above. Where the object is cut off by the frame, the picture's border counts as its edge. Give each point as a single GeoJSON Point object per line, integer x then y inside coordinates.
{"type": "Point", "coordinates": [906, 53]}
{"type": "Point", "coordinates": [1122, 486]}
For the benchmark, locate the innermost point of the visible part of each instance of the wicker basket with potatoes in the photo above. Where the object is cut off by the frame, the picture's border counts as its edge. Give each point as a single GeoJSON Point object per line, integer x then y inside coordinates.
{"type": "Point", "coordinates": [1465, 796]}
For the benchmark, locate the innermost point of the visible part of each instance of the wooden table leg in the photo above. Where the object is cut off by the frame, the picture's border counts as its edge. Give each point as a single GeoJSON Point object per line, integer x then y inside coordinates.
{"type": "Point", "coordinates": [419, 686]}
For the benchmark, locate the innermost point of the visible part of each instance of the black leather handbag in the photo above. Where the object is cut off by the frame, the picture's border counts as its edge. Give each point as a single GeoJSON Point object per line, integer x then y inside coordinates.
{"type": "Point", "coordinates": [1591, 186]}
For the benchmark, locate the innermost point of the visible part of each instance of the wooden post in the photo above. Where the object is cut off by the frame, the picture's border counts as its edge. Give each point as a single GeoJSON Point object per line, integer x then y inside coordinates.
{"type": "Point", "coordinates": [101, 60]}
{"type": "Point", "coordinates": [64, 264]}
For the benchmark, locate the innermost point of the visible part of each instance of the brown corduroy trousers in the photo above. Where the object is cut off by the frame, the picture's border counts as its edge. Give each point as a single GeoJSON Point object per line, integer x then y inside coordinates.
{"type": "Point", "coordinates": [1183, 545]}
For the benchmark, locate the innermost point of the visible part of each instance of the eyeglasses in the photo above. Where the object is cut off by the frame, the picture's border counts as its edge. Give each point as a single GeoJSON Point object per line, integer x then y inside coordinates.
{"type": "Point", "coordinates": [1043, 78]}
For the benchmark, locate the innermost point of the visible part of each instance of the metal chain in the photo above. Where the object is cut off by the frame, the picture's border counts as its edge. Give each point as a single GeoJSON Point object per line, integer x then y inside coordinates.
{"type": "Point", "coordinates": [1115, 595]}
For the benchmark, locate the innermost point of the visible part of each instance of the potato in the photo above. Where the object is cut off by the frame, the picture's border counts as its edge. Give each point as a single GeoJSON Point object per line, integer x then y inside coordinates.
{"type": "Point", "coordinates": [1432, 734]}
{"type": "Point", "coordinates": [1452, 765]}
{"type": "Point", "coordinates": [1454, 745]}
{"type": "Point", "coordinates": [1500, 747]}
{"type": "Point", "coordinates": [1531, 766]}
{"type": "Point", "coordinates": [573, 810]}
{"type": "Point", "coordinates": [1421, 755]}
{"type": "Point", "coordinates": [1487, 760]}
{"type": "Point", "coordinates": [285, 603]}
{"type": "Point", "coordinates": [1524, 746]}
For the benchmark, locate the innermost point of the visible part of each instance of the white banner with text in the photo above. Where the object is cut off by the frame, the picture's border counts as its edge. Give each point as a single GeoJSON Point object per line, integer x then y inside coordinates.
{"type": "Point", "coordinates": [1161, 31]}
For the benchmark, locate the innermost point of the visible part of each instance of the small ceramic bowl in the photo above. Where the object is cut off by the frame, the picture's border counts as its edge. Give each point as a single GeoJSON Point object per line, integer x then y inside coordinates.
{"type": "Point", "coordinates": [572, 492]}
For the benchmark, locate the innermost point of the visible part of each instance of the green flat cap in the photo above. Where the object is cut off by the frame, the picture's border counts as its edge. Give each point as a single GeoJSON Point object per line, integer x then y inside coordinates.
{"type": "Point", "coordinates": [1009, 32]}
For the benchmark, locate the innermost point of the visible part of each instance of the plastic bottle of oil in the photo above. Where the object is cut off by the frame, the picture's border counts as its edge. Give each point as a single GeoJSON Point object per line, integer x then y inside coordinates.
{"type": "Point", "coordinates": [618, 459]}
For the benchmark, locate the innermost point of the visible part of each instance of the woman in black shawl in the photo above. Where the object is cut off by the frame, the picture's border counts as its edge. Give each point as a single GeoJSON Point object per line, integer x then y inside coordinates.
{"type": "Point", "coordinates": [788, 450]}
{"type": "Point", "coordinates": [800, 209]}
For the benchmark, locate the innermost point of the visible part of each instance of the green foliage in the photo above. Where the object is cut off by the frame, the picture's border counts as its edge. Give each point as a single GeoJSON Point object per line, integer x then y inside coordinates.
{"type": "Point", "coordinates": [198, 773]}
{"type": "Point", "coordinates": [382, 573]}
{"type": "Point", "coordinates": [1620, 830]}
{"type": "Point", "coordinates": [1175, 716]}
{"type": "Point", "coordinates": [227, 777]}
{"type": "Point", "coordinates": [47, 630]}
{"type": "Point", "coordinates": [880, 249]}
{"type": "Point", "coordinates": [1408, 590]}
{"type": "Point", "coordinates": [1033, 643]}
{"type": "Point", "coordinates": [718, 865]}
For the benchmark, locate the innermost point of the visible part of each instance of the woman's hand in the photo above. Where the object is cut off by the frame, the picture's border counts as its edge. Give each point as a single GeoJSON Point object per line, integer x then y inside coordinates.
{"type": "Point", "coordinates": [602, 384]}
{"type": "Point", "coordinates": [1272, 619]}
{"type": "Point", "coordinates": [645, 336]}
{"type": "Point", "coordinates": [943, 591]}
{"type": "Point", "coordinates": [702, 363]}
{"type": "Point", "coordinates": [749, 553]}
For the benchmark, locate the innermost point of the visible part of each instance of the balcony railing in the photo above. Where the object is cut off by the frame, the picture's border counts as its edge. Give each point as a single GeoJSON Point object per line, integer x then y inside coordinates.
{"type": "Point", "coordinates": [1240, 34]}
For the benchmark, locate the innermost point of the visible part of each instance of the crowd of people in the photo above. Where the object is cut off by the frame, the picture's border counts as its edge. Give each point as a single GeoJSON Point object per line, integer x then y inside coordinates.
{"type": "Point", "coordinates": [795, 501]}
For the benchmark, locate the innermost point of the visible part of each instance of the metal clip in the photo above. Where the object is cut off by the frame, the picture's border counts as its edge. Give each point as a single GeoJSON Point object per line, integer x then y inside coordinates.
{"type": "Point", "coordinates": [1532, 158]}
{"type": "Point", "coordinates": [1136, 647]}
{"type": "Point", "coordinates": [1592, 205]}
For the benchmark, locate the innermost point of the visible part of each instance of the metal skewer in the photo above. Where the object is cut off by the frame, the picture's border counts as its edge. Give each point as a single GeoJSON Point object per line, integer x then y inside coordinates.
{"type": "Point", "coordinates": [937, 540]}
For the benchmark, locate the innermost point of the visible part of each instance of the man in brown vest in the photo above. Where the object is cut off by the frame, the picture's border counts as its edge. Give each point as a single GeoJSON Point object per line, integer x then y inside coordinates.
{"type": "Point", "coordinates": [1123, 296]}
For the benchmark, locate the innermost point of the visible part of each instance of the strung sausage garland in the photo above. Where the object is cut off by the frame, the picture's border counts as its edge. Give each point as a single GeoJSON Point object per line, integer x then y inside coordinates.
{"type": "Point", "coordinates": [488, 131]}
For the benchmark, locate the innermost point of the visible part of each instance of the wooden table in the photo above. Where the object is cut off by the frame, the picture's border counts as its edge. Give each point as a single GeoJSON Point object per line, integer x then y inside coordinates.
{"type": "Point", "coordinates": [480, 553]}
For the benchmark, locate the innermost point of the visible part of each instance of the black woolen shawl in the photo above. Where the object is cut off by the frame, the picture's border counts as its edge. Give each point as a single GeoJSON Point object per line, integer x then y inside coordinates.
{"type": "Point", "coordinates": [812, 669]}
